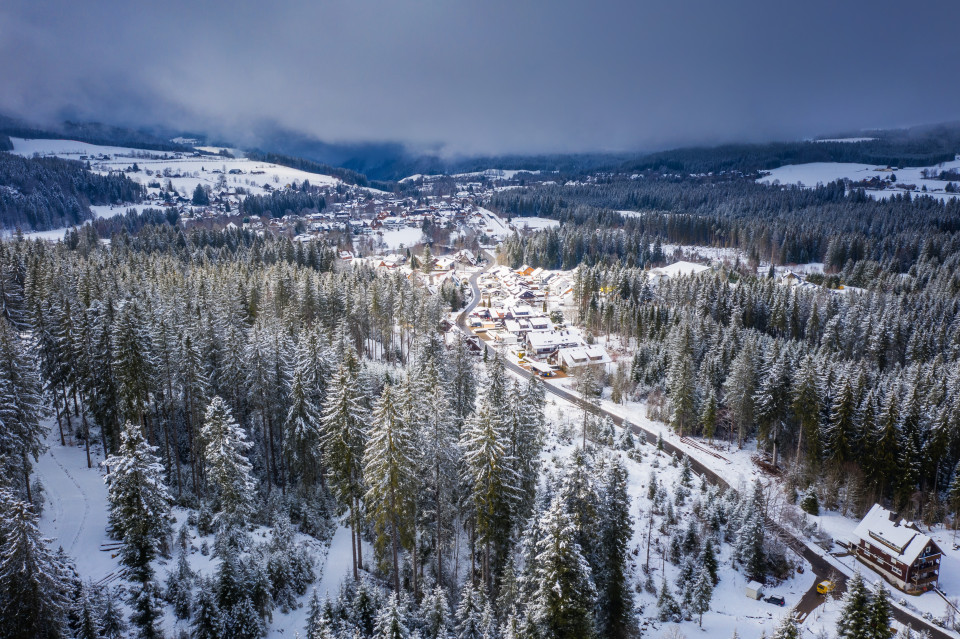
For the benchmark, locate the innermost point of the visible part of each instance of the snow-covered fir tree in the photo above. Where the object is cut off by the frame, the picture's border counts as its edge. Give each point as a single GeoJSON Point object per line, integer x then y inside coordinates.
{"type": "Point", "coordinates": [302, 426]}
{"type": "Point", "coordinates": [469, 616]}
{"type": "Point", "coordinates": [21, 433]}
{"type": "Point", "coordinates": [701, 593]}
{"type": "Point", "coordinates": [562, 604]}
{"type": "Point", "coordinates": [390, 622]}
{"type": "Point", "coordinates": [390, 467]}
{"type": "Point", "coordinates": [492, 483]}
{"type": "Point", "coordinates": [33, 582]}
{"type": "Point", "coordinates": [614, 595]}
{"type": "Point", "coordinates": [344, 441]}
{"type": "Point", "coordinates": [854, 620]}
{"type": "Point", "coordinates": [227, 469]}
{"type": "Point", "coordinates": [139, 517]}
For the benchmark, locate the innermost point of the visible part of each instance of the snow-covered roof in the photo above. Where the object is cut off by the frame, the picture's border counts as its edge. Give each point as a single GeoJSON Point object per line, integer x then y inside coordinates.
{"type": "Point", "coordinates": [552, 339]}
{"type": "Point", "coordinates": [899, 537]}
{"type": "Point", "coordinates": [539, 323]}
{"type": "Point", "coordinates": [583, 356]}
{"type": "Point", "coordinates": [542, 368]}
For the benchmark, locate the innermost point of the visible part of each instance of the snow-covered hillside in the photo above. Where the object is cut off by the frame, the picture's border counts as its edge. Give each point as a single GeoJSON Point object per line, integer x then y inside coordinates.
{"type": "Point", "coordinates": [814, 173]}
{"type": "Point", "coordinates": [182, 171]}
{"type": "Point", "coordinates": [185, 171]}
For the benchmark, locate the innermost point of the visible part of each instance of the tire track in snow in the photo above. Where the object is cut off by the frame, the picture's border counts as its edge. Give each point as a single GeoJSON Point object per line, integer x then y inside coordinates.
{"type": "Point", "coordinates": [59, 503]}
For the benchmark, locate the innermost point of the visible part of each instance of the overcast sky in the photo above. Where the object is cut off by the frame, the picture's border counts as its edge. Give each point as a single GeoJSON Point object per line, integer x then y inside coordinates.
{"type": "Point", "coordinates": [487, 77]}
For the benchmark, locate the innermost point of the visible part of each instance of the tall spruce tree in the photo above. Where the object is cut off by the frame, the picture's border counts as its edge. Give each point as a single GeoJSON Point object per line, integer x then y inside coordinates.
{"type": "Point", "coordinates": [33, 583]}
{"type": "Point", "coordinates": [563, 602]}
{"type": "Point", "coordinates": [390, 467]}
{"type": "Point", "coordinates": [21, 433]}
{"type": "Point", "coordinates": [681, 383]}
{"type": "Point", "coordinates": [739, 389]}
{"type": "Point", "coordinates": [344, 440]}
{"type": "Point", "coordinates": [854, 620]}
{"type": "Point", "coordinates": [488, 473]}
{"type": "Point", "coordinates": [880, 612]}
{"type": "Point", "coordinates": [701, 593]}
{"type": "Point", "coordinates": [139, 515]}
{"type": "Point", "coordinates": [615, 598]}
{"type": "Point", "coordinates": [302, 427]}
{"type": "Point", "coordinates": [228, 471]}
{"type": "Point", "coordinates": [139, 499]}
{"type": "Point", "coordinates": [807, 407]}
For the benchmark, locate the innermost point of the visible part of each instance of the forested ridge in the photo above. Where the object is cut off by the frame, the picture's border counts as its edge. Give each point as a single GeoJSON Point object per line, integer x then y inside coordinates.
{"type": "Point", "coordinates": [47, 193]}
{"type": "Point", "coordinates": [829, 223]}
{"type": "Point", "coordinates": [348, 176]}
{"type": "Point", "coordinates": [89, 132]}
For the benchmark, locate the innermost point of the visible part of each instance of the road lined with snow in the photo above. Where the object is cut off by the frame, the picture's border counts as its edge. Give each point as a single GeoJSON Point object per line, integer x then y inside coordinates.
{"type": "Point", "coordinates": [822, 567]}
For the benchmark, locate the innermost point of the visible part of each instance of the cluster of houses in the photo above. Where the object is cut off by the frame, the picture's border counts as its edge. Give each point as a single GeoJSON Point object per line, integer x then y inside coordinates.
{"type": "Point", "coordinates": [364, 216]}
{"type": "Point", "coordinates": [514, 312]}
{"type": "Point", "coordinates": [526, 284]}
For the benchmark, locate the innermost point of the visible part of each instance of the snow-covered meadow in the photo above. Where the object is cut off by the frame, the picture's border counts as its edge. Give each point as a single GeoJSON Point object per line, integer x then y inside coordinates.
{"type": "Point", "coordinates": [814, 173]}
{"type": "Point", "coordinates": [533, 223]}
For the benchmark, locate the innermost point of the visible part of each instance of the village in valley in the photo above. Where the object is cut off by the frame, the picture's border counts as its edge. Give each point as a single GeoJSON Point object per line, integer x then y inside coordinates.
{"type": "Point", "coordinates": [440, 236]}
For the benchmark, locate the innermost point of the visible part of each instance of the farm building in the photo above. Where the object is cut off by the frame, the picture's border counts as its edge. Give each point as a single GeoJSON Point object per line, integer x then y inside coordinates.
{"type": "Point", "coordinates": [895, 548]}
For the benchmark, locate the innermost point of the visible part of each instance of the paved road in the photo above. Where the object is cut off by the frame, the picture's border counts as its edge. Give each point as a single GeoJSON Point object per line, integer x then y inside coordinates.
{"type": "Point", "coordinates": [821, 567]}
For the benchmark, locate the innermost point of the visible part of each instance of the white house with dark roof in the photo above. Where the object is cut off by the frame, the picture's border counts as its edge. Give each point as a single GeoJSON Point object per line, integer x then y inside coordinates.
{"type": "Point", "coordinates": [545, 342]}
{"type": "Point", "coordinates": [579, 356]}
{"type": "Point", "coordinates": [895, 548]}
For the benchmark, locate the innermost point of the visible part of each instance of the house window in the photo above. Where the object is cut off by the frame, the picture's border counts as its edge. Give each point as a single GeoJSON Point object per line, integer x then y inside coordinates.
{"type": "Point", "coordinates": [896, 571]}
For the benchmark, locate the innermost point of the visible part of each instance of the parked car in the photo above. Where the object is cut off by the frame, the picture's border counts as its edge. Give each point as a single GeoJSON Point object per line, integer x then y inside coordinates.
{"type": "Point", "coordinates": [775, 600]}
{"type": "Point", "coordinates": [825, 586]}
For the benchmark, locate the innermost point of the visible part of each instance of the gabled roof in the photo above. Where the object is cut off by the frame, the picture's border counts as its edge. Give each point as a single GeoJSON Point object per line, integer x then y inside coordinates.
{"type": "Point", "coordinates": [900, 538]}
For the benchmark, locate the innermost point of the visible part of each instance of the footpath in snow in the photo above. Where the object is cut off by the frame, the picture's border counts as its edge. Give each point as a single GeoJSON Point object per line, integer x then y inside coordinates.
{"type": "Point", "coordinates": [75, 512]}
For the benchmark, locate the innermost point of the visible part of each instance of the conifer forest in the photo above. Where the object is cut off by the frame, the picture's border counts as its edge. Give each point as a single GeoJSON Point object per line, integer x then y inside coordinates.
{"type": "Point", "coordinates": [419, 320]}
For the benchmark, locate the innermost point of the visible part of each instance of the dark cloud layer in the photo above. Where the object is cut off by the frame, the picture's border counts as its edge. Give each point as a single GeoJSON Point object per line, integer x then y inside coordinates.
{"type": "Point", "coordinates": [487, 77]}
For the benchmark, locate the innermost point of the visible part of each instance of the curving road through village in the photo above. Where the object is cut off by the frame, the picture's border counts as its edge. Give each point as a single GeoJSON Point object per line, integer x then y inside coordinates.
{"type": "Point", "coordinates": [822, 569]}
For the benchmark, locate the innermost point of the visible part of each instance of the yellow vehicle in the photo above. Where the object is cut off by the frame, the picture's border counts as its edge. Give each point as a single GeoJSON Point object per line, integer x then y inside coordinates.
{"type": "Point", "coordinates": [825, 586]}
{"type": "Point", "coordinates": [521, 354]}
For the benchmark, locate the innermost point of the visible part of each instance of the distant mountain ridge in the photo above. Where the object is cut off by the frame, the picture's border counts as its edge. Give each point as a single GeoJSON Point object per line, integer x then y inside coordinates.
{"type": "Point", "coordinates": [382, 164]}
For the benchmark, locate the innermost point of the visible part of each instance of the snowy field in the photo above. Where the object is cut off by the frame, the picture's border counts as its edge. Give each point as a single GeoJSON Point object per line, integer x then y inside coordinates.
{"type": "Point", "coordinates": [395, 239]}
{"type": "Point", "coordinates": [534, 223]}
{"type": "Point", "coordinates": [493, 174]}
{"type": "Point", "coordinates": [493, 225]}
{"type": "Point", "coordinates": [184, 173]}
{"type": "Point", "coordinates": [709, 253]}
{"type": "Point", "coordinates": [193, 170]}
{"type": "Point", "coordinates": [809, 175]}
{"type": "Point", "coordinates": [99, 211]}
{"type": "Point", "coordinates": [678, 269]}
{"type": "Point", "coordinates": [846, 140]}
